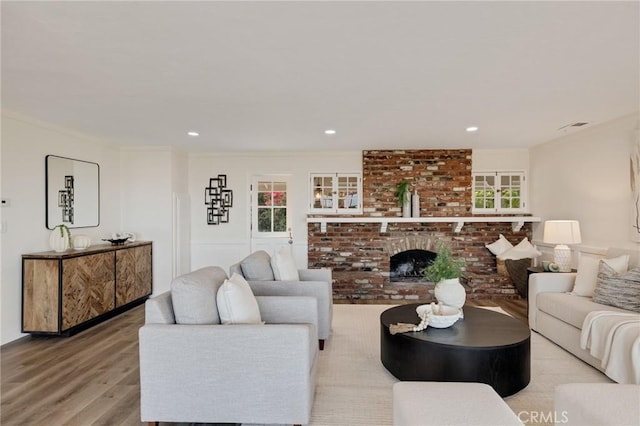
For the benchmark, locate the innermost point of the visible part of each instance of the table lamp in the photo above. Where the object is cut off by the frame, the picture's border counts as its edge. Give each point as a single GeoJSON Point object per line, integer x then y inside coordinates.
{"type": "Point", "coordinates": [562, 232]}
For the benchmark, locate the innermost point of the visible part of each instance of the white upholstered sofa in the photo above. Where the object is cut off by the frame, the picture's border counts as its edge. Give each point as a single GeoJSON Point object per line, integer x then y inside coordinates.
{"type": "Point", "coordinates": [559, 315]}
{"type": "Point", "coordinates": [214, 373]}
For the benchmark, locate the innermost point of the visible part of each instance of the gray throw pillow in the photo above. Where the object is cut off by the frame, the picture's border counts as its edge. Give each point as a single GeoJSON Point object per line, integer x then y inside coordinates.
{"type": "Point", "coordinates": [193, 296]}
{"type": "Point", "coordinates": [621, 290]}
{"type": "Point", "coordinates": [257, 267]}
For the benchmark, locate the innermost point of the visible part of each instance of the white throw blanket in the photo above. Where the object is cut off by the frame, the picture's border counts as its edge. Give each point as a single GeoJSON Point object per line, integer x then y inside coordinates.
{"type": "Point", "coordinates": [614, 338]}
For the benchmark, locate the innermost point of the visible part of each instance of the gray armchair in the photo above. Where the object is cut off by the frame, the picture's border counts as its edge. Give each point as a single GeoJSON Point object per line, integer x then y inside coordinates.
{"type": "Point", "coordinates": [316, 283]}
{"type": "Point", "coordinates": [243, 373]}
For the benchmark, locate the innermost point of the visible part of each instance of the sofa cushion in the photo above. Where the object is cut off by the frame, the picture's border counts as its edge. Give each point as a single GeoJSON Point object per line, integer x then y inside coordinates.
{"type": "Point", "coordinates": [499, 246]}
{"type": "Point", "coordinates": [621, 290]}
{"type": "Point", "coordinates": [570, 308]}
{"type": "Point", "coordinates": [236, 302]}
{"type": "Point", "coordinates": [283, 265]}
{"type": "Point", "coordinates": [257, 267]}
{"type": "Point", "coordinates": [193, 296]}
{"type": "Point", "coordinates": [587, 276]}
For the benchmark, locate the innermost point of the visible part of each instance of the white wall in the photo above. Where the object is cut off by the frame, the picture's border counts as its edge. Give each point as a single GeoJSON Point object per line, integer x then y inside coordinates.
{"type": "Point", "coordinates": [585, 176]}
{"type": "Point", "coordinates": [500, 160]}
{"type": "Point", "coordinates": [149, 179]}
{"type": "Point", "coordinates": [228, 243]}
{"type": "Point", "coordinates": [25, 143]}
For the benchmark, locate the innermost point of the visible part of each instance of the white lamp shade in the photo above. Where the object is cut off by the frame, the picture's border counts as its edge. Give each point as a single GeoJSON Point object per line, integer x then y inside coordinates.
{"type": "Point", "coordinates": [562, 232]}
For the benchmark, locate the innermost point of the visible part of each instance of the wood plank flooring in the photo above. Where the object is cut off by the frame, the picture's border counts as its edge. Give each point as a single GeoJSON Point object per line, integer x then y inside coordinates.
{"type": "Point", "coordinates": [92, 378]}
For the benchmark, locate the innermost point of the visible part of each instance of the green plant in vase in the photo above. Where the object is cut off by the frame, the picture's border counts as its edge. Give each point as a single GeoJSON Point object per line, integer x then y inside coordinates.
{"type": "Point", "coordinates": [445, 271]}
{"type": "Point", "coordinates": [402, 189]}
{"type": "Point", "coordinates": [62, 241]}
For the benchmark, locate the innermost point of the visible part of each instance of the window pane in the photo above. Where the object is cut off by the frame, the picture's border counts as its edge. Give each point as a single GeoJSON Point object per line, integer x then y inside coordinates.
{"type": "Point", "coordinates": [279, 220]}
{"type": "Point", "coordinates": [491, 180]}
{"type": "Point", "coordinates": [280, 186]}
{"type": "Point", "coordinates": [279, 198]}
{"type": "Point", "coordinates": [264, 186]}
{"type": "Point", "coordinates": [264, 220]}
{"type": "Point", "coordinates": [264, 198]}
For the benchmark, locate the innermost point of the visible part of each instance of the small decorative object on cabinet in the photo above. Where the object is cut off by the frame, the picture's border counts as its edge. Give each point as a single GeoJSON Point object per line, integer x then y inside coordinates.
{"type": "Point", "coordinates": [63, 293]}
{"type": "Point", "coordinates": [81, 242]}
{"type": "Point", "coordinates": [60, 238]}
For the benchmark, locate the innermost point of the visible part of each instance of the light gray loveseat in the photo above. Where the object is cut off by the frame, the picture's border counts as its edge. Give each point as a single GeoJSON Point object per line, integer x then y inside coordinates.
{"type": "Point", "coordinates": [559, 315]}
{"type": "Point", "coordinates": [242, 373]}
{"type": "Point", "coordinates": [316, 283]}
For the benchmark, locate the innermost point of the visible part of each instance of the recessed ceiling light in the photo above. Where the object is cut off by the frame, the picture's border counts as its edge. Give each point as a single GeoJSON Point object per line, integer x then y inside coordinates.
{"type": "Point", "coordinates": [329, 132]}
{"type": "Point", "coordinates": [472, 129]}
{"type": "Point", "coordinates": [192, 133]}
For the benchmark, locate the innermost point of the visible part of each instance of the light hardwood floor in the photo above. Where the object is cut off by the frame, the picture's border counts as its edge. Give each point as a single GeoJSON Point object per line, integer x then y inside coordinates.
{"type": "Point", "coordinates": [93, 377]}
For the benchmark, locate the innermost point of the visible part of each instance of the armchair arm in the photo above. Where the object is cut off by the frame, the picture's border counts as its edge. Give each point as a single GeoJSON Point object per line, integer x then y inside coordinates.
{"type": "Point", "coordinates": [288, 310]}
{"type": "Point", "coordinates": [196, 373]}
{"type": "Point", "coordinates": [323, 274]}
{"type": "Point", "coordinates": [557, 282]}
{"type": "Point", "coordinates": [320, 290]}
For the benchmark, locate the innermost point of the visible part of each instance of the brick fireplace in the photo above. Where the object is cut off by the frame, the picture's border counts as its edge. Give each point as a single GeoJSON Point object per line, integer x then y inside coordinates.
{"type": "Point", "coordinates": [359, 253]}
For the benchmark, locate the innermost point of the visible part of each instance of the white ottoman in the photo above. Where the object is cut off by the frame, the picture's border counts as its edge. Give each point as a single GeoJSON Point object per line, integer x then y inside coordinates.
{"type": "Point", "coordinates": [590, 404]}
{"type": "Point", "coordinates": [448, 404]}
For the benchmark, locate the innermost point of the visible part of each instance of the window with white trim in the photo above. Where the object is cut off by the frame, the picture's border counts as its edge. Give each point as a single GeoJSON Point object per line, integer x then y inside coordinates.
{"type": "Point", "coordinates": [270, 208]}
{"type": "Point", "coordinates": [499, 192]}
{"type": "Point", "coordinates": [335, 193]}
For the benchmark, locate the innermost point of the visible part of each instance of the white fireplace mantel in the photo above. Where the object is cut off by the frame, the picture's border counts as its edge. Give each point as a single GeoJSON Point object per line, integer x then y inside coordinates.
{"type": "Point", "coordinates": [456, 222]}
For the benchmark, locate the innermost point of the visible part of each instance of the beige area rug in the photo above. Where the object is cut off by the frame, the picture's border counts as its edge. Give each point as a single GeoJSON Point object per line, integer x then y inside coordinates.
{"type": "Point", "coordinates": [354, 388]}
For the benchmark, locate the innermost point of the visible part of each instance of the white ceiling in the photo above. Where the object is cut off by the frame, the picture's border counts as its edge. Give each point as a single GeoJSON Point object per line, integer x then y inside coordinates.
{"type": "Point", "coordinates": [272, 76]}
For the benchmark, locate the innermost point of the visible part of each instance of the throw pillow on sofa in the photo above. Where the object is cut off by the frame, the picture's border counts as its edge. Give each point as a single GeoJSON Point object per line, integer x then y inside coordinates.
{"type": "Point", "coordinates": [236, 302]}
{"type": "Point", "coordinates": [283, 265]}
{"type": "Point", "coordinates": [587, 275]}
{"type": "Point", "coordinates": [193, 296]}
{"type": "Point", "coordinates": [257, 267]}
{"type": "Point", "coordinates": [621, 290]}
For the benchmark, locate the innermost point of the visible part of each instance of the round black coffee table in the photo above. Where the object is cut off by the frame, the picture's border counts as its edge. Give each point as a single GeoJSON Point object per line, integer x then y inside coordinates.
{"type": "Point", "coordinates": [484, 347]}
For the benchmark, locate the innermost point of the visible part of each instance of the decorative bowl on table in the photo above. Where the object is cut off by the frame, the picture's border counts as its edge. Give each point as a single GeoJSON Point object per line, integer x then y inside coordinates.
{"type": "Point", "coordinates": [116, 241]}
{"type": "Point", "coordinates": [440, 316]}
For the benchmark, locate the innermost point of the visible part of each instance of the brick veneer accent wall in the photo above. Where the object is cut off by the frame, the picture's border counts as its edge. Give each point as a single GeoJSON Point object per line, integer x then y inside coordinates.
{"type": "Point", "coordinates": [441, 177]}
{"type": "Point", "coordinates": [358, 253]}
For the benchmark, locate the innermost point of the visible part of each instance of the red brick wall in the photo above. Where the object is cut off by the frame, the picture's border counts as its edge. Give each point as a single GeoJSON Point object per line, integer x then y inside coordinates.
{"type": "Point", "coordinates": [441, 177]}
{"type": "Point", "coordinates": [358, 256]}
{"type": "Point", "coordinates": [358, 253]}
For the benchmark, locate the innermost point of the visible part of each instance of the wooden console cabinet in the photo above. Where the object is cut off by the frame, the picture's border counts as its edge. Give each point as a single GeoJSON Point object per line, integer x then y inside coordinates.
{"type": "Point", "coordinates": [67, 292]}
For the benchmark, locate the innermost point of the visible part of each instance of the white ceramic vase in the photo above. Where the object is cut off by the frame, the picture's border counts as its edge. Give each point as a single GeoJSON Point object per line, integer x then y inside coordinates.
{"type": "Point", "coordinates": [81, 242]}
{"type": "Point", "coordinates": [406, 205]}
{"type": "Point", "coordinates": [451, 293]}
{"type": "Point", "coordinates": [59, 240]}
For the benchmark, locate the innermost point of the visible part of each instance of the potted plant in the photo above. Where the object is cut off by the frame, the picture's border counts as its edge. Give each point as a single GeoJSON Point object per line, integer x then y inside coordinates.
{"type": "Point", "coordinates": [60, 238]}
{"type": "Point", "coordinates": [445, 270]}
{"type": "Point", "coordinates": [404, 197]}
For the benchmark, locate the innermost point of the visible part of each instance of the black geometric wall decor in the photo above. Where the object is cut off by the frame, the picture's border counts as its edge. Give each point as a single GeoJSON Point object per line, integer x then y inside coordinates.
{"type": "Point", "coordinates": [218, 200]}
{"type": "Point", "coordinates": [65, 200]}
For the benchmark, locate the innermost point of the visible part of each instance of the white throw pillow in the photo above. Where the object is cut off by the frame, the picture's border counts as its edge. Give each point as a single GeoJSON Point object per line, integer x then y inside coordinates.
{"type": "Point", "coordinates": [236, 302]}
{"type": "Point", "coordinates": [524, 249]}
{"type": "Point", "coordinates": [499, 246]}
{"type": "Point", "coordinates": [283, 265]}
{"type": "Point", "coordinates": [587, 276]}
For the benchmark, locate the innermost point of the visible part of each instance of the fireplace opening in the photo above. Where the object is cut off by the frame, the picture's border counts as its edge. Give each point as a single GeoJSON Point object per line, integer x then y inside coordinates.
{"type": "Point", "coordinates": [407, 266]}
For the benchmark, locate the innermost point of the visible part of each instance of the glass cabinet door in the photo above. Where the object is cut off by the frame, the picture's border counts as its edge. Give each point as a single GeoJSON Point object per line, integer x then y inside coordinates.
{"type": "Point", "coordinates": [333, 193]}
